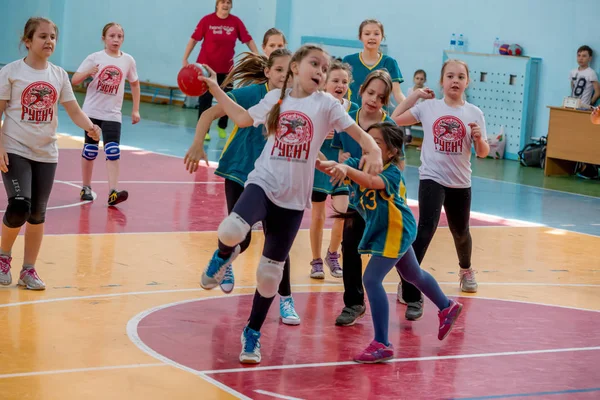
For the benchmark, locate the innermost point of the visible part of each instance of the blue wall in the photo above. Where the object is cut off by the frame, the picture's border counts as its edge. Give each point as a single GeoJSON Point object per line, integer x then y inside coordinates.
{"type": "Point", "coordinates": [13, 16]}
{"type": "Point", "coordinates": [157, 31]}
{"type": "Point", "coordinates": [418, 31]}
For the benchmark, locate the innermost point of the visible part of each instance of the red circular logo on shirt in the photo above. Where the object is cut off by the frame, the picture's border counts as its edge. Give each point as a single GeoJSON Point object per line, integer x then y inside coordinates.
{"type": "Point", "coordinates": [294, 128]}
{"type": "Point", "coordinates": [449, 128]}
{"type": "Point", "coordinates": [110, 75]}
{"type": "Point", "coordinates": [39, 96]}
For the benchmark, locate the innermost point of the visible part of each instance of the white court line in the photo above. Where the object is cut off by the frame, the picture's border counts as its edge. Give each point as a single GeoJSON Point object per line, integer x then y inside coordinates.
{"type": "Point", "coordinates": [76, 370]}
{"type": "Point", "coordinates": [488, 217]}
{"type": "Point", "coordinates": [522, 184]}
{"type": "Point", "coordinates": [132, 333]}
{"type": "Point", "coordinates": [276, 395]}
{"type": "Point", "coordinates": [223, 387]}
{"type": "Point", "coordinates": [135, 339]}
{"type": "Point", "coordinates": [214, 164]}
{"type": "Point", "coordinates": [400, 360]}
{"type": "Point", "coordinates": [299, 285]}
{"type": "Point", "coordinates": [65, 205]}
{"type": "Point", "coordinates": [157, 182]}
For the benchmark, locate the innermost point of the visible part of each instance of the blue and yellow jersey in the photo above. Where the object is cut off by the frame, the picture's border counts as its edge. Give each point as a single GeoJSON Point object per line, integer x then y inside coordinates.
{"type": "Point", "coordinates": [244, 145]}
{"type": "Point", "coordinates": [343, 141]}
{"type": "Point", "coordinates": [360, 71]}
{"type": "Point", "coordinates": [391, 227]}
{"type": "Point", "coordinates": [322, 183]}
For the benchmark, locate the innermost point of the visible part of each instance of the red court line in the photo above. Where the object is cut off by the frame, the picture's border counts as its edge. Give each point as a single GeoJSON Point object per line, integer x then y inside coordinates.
{"type": "Point", "coordinates": [152, 207]}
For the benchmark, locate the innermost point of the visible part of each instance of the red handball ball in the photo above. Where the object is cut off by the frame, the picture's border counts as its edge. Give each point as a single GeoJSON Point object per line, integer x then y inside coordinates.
{"type": "Point", "coordinates": [188, 81]}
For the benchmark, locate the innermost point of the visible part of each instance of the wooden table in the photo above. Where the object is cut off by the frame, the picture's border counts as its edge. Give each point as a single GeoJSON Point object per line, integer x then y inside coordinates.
{"type": "Point", "coordinates": [571, 138]}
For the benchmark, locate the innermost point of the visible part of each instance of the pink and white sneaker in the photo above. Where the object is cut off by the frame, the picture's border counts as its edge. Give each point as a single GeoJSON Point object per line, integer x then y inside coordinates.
{"type": "Point", "coordinates": [31, 280]}
{"type": "Point", "coordinates": [5, 275]}
{"type": "Point", "coordinates": [375, 353]}
{"type": "Point", "coordinates": [448, 317]}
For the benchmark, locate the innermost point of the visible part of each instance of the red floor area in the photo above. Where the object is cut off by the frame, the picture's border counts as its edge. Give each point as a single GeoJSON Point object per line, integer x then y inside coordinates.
{"type": "Point", "coordinates": [163, 199]}
{"type": "Point", "coordinates": [204, 335]}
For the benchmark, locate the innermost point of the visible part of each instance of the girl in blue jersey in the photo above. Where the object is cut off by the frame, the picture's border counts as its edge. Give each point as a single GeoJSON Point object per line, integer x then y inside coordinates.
{"type": "Point", "coordinates": [338, 78]}
{"type": "Point", "coordinates": [370, 59]}
{"type": "Point", "coordinates": [375, 93]}
{"type": "Point", "coordinates": [256, 75]}
{"type": "Point", "coordinates": [390, 230]}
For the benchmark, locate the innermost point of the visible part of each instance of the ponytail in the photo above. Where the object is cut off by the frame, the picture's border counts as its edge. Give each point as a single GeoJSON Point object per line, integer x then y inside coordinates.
{"type": "Point", "coordinates": [273, 117]}
{"type": "Point", "coordinates": [249, 70]}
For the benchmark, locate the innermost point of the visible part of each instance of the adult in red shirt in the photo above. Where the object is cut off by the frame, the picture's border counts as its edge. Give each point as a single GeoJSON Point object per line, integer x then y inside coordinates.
{"type": "Point", "coordinates": [218, 32]}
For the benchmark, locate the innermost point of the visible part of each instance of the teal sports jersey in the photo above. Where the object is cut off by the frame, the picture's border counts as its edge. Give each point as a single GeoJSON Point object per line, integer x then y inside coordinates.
{"type": "Point", "coordinates": [360, 71]}
{"type": "Point", "coordinates": [343, 141]}
{"type": "Point", "coordinates": [244, 145]}
{"type": "Point", "coordinates": [322, 183]}
{"type": "Point", "coordinates": [391, 227]}
{"type": "Point", "coordinates": [353, 107]}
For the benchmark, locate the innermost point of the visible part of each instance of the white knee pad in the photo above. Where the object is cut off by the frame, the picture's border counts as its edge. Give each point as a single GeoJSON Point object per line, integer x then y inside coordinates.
{"type": "Point", "coordinates": [268, 276]}
{"type": "Point", "coordinates": [233, 230]}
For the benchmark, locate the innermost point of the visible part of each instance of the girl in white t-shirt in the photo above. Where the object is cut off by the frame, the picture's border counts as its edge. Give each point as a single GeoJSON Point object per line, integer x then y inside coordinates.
{"type": "Point", "coordinates": [277, 191]}
{"type": "Point", "coordinates": [450, 127]}
{"type": "Point", "coordinates": [30, 90]}
{"type": "Point", "coordinates": [103, 103]}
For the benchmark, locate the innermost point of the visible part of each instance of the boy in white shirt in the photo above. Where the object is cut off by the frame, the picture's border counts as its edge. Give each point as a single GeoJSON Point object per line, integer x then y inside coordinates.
{"type": "Point", "coordinates": [584, 81]}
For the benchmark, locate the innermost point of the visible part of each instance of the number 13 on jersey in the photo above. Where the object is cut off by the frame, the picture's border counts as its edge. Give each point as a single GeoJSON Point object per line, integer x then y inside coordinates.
{"type": "Point", "coordinates": [369, 200]}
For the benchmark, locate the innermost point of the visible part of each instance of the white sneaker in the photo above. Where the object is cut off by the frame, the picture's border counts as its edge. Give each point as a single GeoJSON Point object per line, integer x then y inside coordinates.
{"type": "Point", "coordinates": [5, 275]}
{"type": "Point", "coordinates": [250, 346]}
{"type": "Point", "coordinates": [468, 283]}
{"type": "Point", "coordinates": [31, 280]}
{"type": "Point", "coordinates": [288, 311]}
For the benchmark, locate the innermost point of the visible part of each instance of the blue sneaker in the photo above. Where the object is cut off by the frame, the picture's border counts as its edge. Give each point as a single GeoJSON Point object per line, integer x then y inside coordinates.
{"type": "Point", "coordinates": [288, 311]}
{"type": "Point", "coordinates": [250, 346]}
{"type": "Point", "coordinates": [214, 273]}
{"type": "Point", "coordinates": [228, 281]}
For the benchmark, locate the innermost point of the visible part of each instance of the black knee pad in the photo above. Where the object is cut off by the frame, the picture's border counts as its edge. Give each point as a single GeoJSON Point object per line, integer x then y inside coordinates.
{"type": "Point", "coordinates": [17, 212]}
{"type": "Point", "coordinates": [37, 218]}
{"type": "Point", "coordinates": [246, 242]}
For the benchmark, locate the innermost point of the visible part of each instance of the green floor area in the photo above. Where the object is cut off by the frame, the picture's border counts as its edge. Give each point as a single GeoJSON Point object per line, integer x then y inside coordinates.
{"type": "Point", "coordinates": [502, 170]}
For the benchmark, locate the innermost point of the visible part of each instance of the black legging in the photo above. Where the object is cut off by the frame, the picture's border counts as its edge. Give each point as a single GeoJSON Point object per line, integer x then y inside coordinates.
{"type": "Point", "coordinates": [457, 204]}
{"type": "Point", "coordinates": [260, 305]}
{"type": "Point", "coordinates": [205, 101]}
{"type": "Point", "coordinates": [28, 186]}
{"type": "Point", "coordinates": [354, 228]}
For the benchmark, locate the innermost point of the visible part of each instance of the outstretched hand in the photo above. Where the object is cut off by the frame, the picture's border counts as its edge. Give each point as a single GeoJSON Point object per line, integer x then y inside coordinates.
{"type": "Point", "coordinates": [211, 80]}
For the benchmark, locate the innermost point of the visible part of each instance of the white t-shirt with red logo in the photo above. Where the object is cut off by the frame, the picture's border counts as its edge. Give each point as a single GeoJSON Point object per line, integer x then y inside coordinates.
{"type": "Point", "coordinates": [447, 141]}
{"type": "Point", "coordinates": [285, 169]}
{"type": "Point", "coordinates": [104, 96]}
{"type": "Point", "coordinates": [32, 109]}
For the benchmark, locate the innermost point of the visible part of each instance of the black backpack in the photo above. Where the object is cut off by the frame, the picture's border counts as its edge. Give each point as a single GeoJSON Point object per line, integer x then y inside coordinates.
{"type": "Point", "coordinates": [534, 154]}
